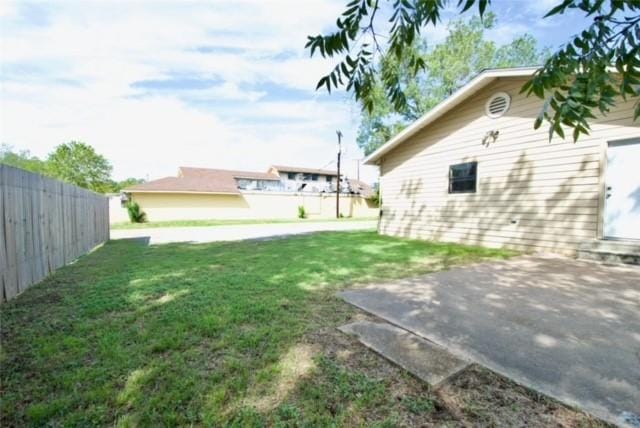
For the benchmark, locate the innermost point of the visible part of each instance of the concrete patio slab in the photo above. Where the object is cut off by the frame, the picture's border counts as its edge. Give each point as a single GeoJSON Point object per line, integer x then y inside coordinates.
{"type": "Point", "coordinates": [567, 328]}
{"type": "Point", "coordinates": [426, 360]}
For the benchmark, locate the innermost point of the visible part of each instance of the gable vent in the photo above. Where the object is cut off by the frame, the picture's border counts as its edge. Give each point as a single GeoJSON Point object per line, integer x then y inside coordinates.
{"type": "Point", "coordinates": [498, 105]}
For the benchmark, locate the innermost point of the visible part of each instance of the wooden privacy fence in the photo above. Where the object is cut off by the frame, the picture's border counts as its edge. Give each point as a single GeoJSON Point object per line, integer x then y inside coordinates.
{"type": "Point", "coordinates": [44, 224]}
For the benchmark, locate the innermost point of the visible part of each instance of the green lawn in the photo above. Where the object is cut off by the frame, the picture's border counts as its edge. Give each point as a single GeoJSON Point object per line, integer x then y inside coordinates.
{"type": "Point", "coordinates": [235, 334]}
{"type": "Point", "coordinates": [195, 223]}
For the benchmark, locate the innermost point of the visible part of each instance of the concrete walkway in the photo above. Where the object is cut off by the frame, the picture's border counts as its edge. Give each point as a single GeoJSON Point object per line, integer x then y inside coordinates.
{"type": "Point", "coordinates": [567, 328]}
{"type": "Point", "coordinates": [238, 232]}
{"type": "Point", "coordinates": [426, 360]}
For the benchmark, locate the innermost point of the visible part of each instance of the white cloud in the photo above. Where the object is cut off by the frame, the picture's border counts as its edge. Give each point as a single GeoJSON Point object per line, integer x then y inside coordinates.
{"type": "Point", "coordinates": [68, 69]}
{"type": "Point", "coordinates": [70, 76]}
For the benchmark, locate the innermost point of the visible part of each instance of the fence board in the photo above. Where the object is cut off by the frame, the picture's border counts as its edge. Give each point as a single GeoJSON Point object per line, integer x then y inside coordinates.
{"type": "Point", "coordinates": [44, 224]}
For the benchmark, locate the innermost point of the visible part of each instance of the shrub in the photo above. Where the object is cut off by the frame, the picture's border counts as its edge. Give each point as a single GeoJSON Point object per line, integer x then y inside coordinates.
{"type": "Point", "coordinates": [136, 215]}
{"type": "Point", "coordinates": [375, 198]}
{"type": "Point", "coordinates": [302, 213]}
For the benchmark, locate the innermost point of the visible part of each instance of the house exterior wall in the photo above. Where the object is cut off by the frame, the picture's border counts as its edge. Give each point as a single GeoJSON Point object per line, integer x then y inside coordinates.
{"type": "Point", "coordinates": [322, 183]}
{"type": "Point", "coordinates": [249, 205]}
{"type": "Point", "coordinates": [117, 213]}
{"type": "Point", "coordinates": [532, 194]}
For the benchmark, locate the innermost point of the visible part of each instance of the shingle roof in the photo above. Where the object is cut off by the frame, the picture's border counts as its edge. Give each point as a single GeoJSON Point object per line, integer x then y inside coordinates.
{"type": "Point", "coordinates": [209, 172]}
{"type": "Point", "coordinates": [187, 185]}
{"type": "Point", "coordinates": [206, 180]}
{"type": "Point", "coordinates": [361, 188]}
{"type": "Point", "coordinates": [282, 168]}
{"type": "Point", "coordinates": [200, 180]}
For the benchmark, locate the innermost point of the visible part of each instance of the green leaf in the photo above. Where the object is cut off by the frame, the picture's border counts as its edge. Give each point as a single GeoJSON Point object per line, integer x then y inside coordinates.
{"type": "Point", "coordinates": [482, 6]}
{"type": "Point", "coordinates": [467, 5]}
{"type": "Point", "coordinates": [321, 82]}
{"type": "Point", "coordinates": [558, 9]}
{"type": "Point", "coordinates": [350, 11]}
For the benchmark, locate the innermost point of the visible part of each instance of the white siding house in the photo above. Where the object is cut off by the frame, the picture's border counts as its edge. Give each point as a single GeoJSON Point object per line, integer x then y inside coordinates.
{"type": "Point", "coordinates": [473, 170]}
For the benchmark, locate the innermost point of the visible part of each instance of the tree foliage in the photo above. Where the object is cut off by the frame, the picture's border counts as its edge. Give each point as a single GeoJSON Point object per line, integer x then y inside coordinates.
{"type": "Point", "coordinates": [79, 164]}
{"type": "Point", "coordinates": [574, 81]}
{"type": "Point", "coordinates": [464, 52]}
{"type": "Point", "coordinates": [74, 162]}
{"type": "Point", "coordinates": [21, 159]}
{"type": "Point", "coordinates": [117, 186]}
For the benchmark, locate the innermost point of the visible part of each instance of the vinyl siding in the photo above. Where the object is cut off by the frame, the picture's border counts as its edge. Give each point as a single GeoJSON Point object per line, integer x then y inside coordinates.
{"type": "Point", "coordinates": [532, 194]}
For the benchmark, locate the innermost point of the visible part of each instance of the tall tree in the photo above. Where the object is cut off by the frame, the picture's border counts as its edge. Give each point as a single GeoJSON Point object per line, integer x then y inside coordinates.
{"type": "Point", "coordinates": [464, 53]}
{"type": "Point", "coordinates": [574, 82]}
{"type": "Point", "coordinates": [79, 164]}
{"type": "Point", "coordinates": [75, 162]}
{"type": "Point", "coordinates": [127, 182]}
{"type": "Point", "coordinates": [21, 159]}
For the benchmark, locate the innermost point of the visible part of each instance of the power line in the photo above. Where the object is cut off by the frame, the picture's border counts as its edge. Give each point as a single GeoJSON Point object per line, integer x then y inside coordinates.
{"type": "Point", "coordinates": [328, 163]}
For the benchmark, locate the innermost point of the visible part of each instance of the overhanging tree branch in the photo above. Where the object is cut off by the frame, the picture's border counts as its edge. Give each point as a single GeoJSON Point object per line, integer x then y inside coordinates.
{"type": "Point", "coordinates": [574, 81]}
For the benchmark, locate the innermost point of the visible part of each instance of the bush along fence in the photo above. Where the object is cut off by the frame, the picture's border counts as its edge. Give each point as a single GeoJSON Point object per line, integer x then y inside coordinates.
{"type": "Point", "coordinates": [44, 224]}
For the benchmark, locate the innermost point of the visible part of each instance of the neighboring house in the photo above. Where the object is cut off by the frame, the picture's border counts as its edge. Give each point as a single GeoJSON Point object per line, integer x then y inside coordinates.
{"type": "Point", "coordinates": [473, 170]}
{"type": "Point", "coordinates": [202, 193]}
{"type": "Point", "coordinates": [297, 179]}
{"type": "Point", "coordinates": [305, 179]}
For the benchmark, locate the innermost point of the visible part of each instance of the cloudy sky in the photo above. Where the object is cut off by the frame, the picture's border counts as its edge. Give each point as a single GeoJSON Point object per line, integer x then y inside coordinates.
{"type": "Point", "coordinates": [154, 85]}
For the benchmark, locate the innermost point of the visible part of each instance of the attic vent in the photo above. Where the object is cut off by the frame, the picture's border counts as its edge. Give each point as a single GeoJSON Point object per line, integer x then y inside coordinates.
{"type": "Point", "coordinates": [498, 105]}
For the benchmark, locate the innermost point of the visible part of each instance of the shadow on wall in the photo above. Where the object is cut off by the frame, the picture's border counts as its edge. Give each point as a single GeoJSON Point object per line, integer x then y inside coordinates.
{"type": "Point", "coordinates": [512, 206]}
{"type": "Point", "coordinates": [509, 210]}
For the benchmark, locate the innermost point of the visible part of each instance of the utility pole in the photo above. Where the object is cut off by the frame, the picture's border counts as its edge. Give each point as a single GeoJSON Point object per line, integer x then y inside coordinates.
{"type": "Point", "coordinates": [338, 185]}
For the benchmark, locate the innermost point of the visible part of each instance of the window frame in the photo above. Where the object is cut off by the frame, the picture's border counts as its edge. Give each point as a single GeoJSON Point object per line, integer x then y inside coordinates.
{"type": "Point", "coordinates": [453, 180]}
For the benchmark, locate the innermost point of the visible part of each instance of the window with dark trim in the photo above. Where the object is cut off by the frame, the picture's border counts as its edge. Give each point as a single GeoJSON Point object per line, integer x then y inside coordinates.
{"type": "Point", "coordinates": [314, 177]}
{"type": "Point", "coordinates": [291, 175]}
{"type": "Point", "coordinates": [463, 177]}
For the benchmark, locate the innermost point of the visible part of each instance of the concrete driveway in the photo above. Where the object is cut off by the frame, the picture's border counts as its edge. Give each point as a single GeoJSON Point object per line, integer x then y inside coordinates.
{"type": "Point", "coordinates": [239, 232]}
{"type": "Point", "coordinates": [567, 328]}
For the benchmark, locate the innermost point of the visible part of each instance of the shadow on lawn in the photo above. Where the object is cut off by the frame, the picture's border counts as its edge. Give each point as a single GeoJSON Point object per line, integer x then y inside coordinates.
{"type": "Point", "coordinates": [182, 333]}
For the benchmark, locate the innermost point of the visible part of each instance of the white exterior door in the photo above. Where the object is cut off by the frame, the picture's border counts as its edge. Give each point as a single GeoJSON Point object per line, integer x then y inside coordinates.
{"type": "Point", "coordinates": [622, 184]}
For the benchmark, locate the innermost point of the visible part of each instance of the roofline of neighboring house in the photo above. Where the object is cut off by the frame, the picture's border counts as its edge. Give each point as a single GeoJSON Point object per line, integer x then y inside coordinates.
{"type": "Point", "coordinates": [474, 85]}
{"type": "Point", "coordinates": [179, 191]}
{"type": "Point", "coordinates": [303, 170]}
{"type": "Point", "coordinates": [252, 175]}
{"type": "Point", "coordinates": [247, 177]}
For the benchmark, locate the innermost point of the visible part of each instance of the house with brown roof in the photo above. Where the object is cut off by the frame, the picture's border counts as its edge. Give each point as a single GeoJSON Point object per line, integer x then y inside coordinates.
{"type": "Point", "coordinates": [204, 193]}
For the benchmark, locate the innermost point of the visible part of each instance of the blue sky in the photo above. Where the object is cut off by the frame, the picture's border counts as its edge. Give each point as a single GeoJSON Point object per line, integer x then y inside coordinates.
{"type": "Point", "coordinates": [157, 85]}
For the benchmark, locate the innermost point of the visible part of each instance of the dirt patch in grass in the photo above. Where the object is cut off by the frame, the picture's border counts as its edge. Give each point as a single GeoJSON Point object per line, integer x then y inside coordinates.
{"type": "Point", "coordinates": [474, 397]}
{"type": "Point", "coordinates": [489, 399]}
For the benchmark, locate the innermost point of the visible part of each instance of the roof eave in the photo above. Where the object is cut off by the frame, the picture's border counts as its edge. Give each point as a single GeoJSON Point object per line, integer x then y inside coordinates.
{"type": "Point", "coordinates": [197, 192]}
{"type": "Point", "coordinates": [475, 84]}
{"type": "Point", "coordinates": [246, 177]}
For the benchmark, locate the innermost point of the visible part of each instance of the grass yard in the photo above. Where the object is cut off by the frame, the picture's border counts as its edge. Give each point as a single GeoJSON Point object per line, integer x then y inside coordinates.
{"type": "Point", "coordinates": [213, 222]}
{"type": "Point", "coordinates": [234, 334]}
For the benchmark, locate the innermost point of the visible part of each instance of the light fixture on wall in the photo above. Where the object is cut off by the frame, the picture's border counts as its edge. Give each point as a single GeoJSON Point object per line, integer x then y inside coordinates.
{"type": "Point", "coordinates": [490, 137]}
